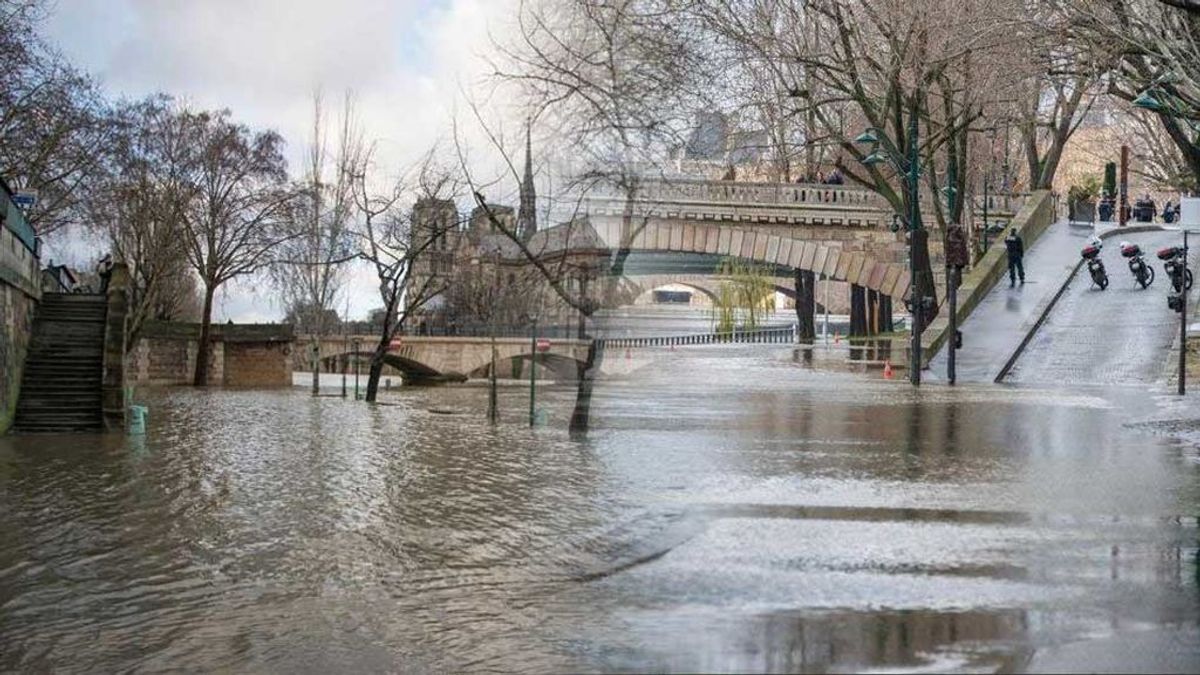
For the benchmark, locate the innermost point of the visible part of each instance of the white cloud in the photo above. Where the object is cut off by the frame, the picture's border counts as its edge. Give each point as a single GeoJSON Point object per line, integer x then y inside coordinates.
{"type": "Point", "coordinates": [406, 61]}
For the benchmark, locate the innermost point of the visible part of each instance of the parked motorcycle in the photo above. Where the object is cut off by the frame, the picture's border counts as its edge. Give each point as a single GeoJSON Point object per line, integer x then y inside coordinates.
{"type": "Point", "coordinates": [1091, 254]}
{"type": "Point", "coordinates": [1173, 264]}
{"type": "Point", "coordinates": [1142, 273]}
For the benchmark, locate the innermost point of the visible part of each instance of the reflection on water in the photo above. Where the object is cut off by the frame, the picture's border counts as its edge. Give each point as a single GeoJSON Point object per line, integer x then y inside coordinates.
{"type": "Point", "coordinates": [732, 511]}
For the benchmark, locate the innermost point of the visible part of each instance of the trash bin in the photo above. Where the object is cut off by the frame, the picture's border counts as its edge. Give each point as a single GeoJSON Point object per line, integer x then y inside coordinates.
{"type": "Point", "coordinates": [137, 419]}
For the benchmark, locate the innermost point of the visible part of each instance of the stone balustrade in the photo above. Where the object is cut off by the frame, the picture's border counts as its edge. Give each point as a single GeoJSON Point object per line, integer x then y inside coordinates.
{"type": "Point", "coordinates": [772, 202]}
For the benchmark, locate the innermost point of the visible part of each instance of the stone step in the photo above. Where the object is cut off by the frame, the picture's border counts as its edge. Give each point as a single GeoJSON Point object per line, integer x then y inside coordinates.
{"type": "Point", "coordinates": [71, 359]}
{"type": "Point", "coordinates": [60, 392]}
{"type": "Point", "coordinates": [59, 389]}
{"type": "Point", "coordinates": [57, 419]}
{"type": "Point", "coordinates": [66, 408]}
{"type": "Point", "coordinates": [57, 429]}
{"type": "Point", "coordinates": [68, 352]}
{"type": "Point", "coordinates": [57, 319]}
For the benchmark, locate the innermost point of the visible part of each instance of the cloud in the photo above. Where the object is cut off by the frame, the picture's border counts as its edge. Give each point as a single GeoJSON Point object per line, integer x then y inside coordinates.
{"type": "Point", "coordinates": [407, 62]}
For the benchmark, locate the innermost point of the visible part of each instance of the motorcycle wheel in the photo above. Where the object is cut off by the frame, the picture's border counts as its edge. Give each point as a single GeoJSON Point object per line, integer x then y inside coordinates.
{"type": "Point", "coordinates": [1147, 277]}
{"type": "Point", "coordinates": [1175, 281]}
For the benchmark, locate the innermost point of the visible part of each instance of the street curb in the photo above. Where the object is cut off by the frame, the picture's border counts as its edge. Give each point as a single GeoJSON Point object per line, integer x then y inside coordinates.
{"type": "Point", "coordinates": [1045, 312]}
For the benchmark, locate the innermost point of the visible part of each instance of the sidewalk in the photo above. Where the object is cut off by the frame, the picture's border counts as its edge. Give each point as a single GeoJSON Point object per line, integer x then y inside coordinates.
{"type": "Point", "coordinates": [994, 330]}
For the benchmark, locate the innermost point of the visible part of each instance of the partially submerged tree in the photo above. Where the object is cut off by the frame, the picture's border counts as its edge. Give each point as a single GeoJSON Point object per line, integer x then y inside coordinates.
{"type": "Point", "coordinates": [240, 211]}
{"type": "Point", "coordinates": [393, 246]}
{"type": "Point", "coordinates": [312, 264]}
{"type": "Point", "coordinates": [613, 81]}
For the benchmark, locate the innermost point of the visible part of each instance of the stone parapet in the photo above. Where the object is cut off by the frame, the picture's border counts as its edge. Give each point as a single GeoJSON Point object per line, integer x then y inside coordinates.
{"type": "Point", "coordinates": [116, 335]}
{"type": "Point", "coordinates": [1035, 216]}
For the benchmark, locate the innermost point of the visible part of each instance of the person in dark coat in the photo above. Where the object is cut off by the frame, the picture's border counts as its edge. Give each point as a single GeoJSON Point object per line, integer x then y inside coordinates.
{"type": "Point", "coordinates": [1016, 257]}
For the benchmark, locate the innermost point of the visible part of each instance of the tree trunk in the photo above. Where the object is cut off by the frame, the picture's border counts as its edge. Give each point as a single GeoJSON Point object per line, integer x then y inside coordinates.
{"type": "Point", "coordinates": [581, 414]}
{"type": "Point", "coordinates": [202, 348]}
{"type": "Point", "coordinates": [858, 311]}
{"type": "Point", "coordinates": [806, 288]}
{"type": "Point", "coordinates": [316, 365]}
{"type": "Point", "coordinates": [925, 286]}
{"type": "Point", "coordinates": [376, 370]}
{"type": "Point", "coordinates": [1180, 136]}
{"type": "Point", "coordinates": [585, 372]}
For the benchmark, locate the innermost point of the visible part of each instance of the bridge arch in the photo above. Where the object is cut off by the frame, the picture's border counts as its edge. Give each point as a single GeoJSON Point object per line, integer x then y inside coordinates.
{"type": "Point", "coordinates": [834, 261]}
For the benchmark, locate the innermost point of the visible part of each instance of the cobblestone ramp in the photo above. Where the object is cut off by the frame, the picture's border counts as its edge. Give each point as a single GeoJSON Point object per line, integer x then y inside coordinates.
{"type": "Point", "coordinates": [1119, 336]}
{"type": "Point", "coordinates": [995, 329]}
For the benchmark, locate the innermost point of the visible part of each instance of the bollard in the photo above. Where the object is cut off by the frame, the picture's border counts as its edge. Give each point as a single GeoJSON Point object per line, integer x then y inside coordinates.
{"type": "Point", "coordinates": [387, 384]}
{"type": "Point", "coordinates": [137, 420]}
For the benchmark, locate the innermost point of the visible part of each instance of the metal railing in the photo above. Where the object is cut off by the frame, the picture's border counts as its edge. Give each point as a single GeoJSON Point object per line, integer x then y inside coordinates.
{"type": "Point", "coordinates": [785, 335]}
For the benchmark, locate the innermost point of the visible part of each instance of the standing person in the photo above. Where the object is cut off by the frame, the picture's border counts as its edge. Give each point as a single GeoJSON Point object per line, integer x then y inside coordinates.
{"type": "Point", "coordinates": [104, 271]}
{"type": "Point", "coordinates": [1016, 257]}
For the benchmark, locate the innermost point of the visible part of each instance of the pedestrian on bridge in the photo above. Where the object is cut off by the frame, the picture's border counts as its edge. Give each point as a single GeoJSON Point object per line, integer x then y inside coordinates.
{"type": "Point", "coordinates": [1016, 257]}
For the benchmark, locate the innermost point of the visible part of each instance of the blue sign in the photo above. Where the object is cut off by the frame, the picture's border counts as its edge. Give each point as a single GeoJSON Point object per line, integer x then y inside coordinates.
{"type": "Point", "coordinates": [25, 200]}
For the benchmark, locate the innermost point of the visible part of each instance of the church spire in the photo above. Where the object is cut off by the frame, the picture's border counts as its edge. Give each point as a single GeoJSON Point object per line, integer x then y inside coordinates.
{"type": "Point", "coordinates": [527, 212]}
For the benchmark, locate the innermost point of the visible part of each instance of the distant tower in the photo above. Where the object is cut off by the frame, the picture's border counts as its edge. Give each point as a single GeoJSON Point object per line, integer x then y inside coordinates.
{"type": "Point", "coordinates": [527, 213]}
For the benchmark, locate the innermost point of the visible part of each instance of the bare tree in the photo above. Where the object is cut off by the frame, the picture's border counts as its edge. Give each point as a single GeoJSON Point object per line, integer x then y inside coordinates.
{"type": "Point", "coordinates": [312, 265]}
{"type": "Point", "coordinates": [392, 246]}
{"type": "Point", "coordinates": [1153, 47]}
{"type": "Point", "coordinates": [239, 214]}
{"type": "Point", "coordinates": [615, 82]}
{"type": "Point", "coordinates": [139, 202]}
{"type": "Point", "coordinates": [54, 130]}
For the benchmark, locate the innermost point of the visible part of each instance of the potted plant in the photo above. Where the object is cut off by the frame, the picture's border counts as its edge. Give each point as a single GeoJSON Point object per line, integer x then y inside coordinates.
{"type": "Point", "coordinates": [1081, 198]}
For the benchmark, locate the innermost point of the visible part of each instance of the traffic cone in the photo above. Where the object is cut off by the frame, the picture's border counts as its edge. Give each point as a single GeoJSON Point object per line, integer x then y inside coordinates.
{"type": "Point", "coordinates": [887, 369]}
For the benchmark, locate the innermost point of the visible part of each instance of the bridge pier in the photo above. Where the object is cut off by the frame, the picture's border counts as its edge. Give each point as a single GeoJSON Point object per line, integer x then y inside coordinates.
{"type": "Point", "coordinates": [806, 287]}
{"type": "Point", "coordinates": [858, 311]}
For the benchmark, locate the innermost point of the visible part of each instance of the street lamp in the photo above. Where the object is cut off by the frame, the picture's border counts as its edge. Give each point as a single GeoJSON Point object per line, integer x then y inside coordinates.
{"type": "Point", "coordinates": [885, 152]}
{"type": "Point", "coordinates": [1148, 101]}
{"type": "Point", "coordinates": [533, 320]}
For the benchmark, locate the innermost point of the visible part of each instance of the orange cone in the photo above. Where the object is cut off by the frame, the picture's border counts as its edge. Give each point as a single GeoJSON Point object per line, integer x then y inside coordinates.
{"type": "Point", "coordinates": [887, 370]}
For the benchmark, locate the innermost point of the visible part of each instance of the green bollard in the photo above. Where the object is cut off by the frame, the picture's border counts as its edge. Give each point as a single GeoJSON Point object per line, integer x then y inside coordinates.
{"type": "Point", "coordinates": [137, 420]}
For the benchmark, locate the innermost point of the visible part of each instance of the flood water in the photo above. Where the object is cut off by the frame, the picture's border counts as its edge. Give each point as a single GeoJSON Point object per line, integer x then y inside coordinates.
{"type": "Point", "coordinates": [731, 510]}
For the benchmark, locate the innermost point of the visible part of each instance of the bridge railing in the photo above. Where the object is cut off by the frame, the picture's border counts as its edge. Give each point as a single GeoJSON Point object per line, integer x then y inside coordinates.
{"type": "Point", "coordinates": [784, 335]}
{"type": "Point", "coordinates": [745, 193]}
{"type": "Point", "coordinates": [789, 195]}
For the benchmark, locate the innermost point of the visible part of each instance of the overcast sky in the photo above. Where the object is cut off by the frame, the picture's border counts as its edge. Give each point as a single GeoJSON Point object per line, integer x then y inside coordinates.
{"type": "Point", "coordinates": [406, 61]}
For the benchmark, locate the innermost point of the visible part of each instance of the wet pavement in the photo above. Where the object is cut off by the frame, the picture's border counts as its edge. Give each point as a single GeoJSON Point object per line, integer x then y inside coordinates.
{"type": "Point", "coordinates": [1122, 335]}
{"type": "Point", "coordinates": [731, 510]}
{"type": "Point", "coordinates": [1000, 322]}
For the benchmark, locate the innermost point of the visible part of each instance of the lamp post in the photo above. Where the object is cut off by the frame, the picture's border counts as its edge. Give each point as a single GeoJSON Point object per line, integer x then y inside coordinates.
{"type": "Point", "coordinates": [533, 320]}
{"type": "Point", "coordinates": [1148, 101]}
{"type": "Point", "coordinates": [357, 360]}
{"type": "Point", "coordinates": [910, 167]}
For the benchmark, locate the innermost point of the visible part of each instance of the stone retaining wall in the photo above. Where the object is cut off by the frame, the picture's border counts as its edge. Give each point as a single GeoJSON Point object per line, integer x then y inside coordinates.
{"type": "Point", "coordinates": [242, 355]}
{"type": "Point", "coordinates": [19, 295]}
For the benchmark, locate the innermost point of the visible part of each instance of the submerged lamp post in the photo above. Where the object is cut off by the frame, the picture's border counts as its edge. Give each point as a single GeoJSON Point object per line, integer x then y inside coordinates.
{"type": "Point", "coordinates": [885, 152]}
{"type": "Point", "coordinates": [533, 320]}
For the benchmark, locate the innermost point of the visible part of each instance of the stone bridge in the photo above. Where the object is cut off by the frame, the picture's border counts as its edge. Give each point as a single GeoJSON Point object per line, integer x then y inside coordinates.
{"type": "Point", "coordinates": [840, 234]}
{"type": "Point", "coordinates": [434, 359]}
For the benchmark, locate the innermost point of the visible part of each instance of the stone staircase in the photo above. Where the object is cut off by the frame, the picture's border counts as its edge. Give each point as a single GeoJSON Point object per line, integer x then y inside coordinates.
{"type": "Point", "coordinates": [60, 387]}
